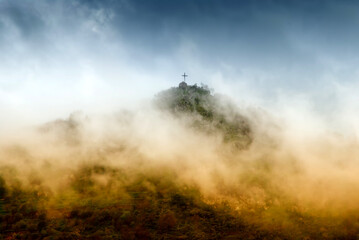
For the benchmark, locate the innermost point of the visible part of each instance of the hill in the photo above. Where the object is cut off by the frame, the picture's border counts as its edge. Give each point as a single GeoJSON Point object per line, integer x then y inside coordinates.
{"type": "Point", "coordinates": [209, 113]}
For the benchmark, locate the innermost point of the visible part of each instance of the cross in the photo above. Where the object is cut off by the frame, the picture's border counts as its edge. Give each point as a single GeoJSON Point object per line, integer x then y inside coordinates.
{"type": "Point", "coordinates": [184, 76]}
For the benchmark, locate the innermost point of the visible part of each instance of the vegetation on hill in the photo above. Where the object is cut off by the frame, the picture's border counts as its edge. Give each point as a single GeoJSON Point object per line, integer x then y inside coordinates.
{"type": "Point", "coordinates": [209, 113]}
{"type": "Point", "coordinates": [150, 206]}
{"type": "Point", "coordinates": [145, 207]}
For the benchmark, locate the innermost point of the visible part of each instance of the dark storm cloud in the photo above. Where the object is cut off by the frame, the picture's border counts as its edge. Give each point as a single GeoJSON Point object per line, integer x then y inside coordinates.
{"type": "Point", "coordinates": [265, 34]}
{"type": "Point", "coordinates": [25, 18]}
{"type": "Point", "coordinates": [259, 23]}
{"type": "Point", "coordinates": [21, 19]}
{"type": "Point", "coordinates": [259, 30]}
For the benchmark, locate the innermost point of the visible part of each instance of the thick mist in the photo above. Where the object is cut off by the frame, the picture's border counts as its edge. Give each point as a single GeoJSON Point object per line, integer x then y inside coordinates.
{"type": "Point", "coordinates": [298, 164]}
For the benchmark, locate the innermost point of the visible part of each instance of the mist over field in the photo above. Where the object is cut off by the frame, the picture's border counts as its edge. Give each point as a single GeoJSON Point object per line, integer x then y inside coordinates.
{"type": "Point", "coordinates": [101, 139]}
{"type": "Point", "coordinates": [171, 171]}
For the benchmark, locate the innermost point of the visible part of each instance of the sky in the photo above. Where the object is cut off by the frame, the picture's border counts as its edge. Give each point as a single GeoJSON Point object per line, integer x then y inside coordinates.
{"type": "Point", "coordinates": [60, 56]}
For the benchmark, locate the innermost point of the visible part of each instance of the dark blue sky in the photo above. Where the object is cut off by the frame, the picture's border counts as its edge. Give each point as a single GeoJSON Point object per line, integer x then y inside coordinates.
{"type": "Point", "coordinates": [266, 34]}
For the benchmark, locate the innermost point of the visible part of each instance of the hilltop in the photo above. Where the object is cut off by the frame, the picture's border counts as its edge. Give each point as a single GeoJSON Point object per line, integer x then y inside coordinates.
{"type": "Point", "coordinates": [210, 113]}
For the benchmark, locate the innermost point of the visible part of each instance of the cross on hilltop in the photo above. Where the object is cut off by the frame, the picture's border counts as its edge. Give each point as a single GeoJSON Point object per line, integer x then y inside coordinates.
{"type": "Point", "coordinates": [183, 84]}
{"type": "Point", "coordinates": [184, 76]}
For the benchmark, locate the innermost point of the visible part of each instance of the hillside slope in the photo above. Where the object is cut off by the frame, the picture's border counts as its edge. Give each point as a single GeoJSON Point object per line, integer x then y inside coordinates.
{"type": "Point", "coordinates": [209, 112]}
